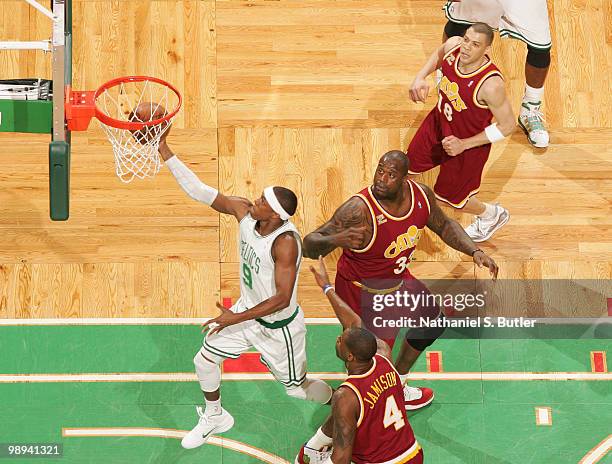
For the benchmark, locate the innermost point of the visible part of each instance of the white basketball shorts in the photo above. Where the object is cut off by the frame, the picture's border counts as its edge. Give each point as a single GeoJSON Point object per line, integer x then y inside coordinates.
{"type": "Point", "coordinates": [283, 349]}
{"type": "Point", "coordinates": [526, 20]}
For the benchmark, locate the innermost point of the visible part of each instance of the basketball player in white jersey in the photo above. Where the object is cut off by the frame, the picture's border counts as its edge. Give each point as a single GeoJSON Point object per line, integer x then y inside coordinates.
{"type": "Point", "coordinates": [527, 21]}
{"type": "Point", "coordinates": [267, 315]}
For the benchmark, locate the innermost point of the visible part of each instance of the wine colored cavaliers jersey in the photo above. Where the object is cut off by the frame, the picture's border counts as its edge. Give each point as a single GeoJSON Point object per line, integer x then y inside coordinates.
{"type": "Point", "coordinates": [393, 240]}
{"type": "Point", "coordinates": [384, 434]}
{"type": "Point", "coordinates": [459, 111]}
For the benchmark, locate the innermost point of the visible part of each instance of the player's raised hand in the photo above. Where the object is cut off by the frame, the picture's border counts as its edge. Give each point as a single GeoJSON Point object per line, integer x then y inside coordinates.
{"type": "Point", "coordinates": [452, 145]}
{"type": "Point", "coordinates": [225, 319]}
{"type": "Point", "coordinates": [483, 260]}
{"type": "Point", "coordinates": [419, 90]}
{"type": "Point", "coordinates": [353, 237]}
{"type": "Point", "coordinates": [320, 273]}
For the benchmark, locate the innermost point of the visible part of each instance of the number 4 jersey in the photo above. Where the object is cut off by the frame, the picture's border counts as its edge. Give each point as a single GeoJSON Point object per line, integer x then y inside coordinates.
{"type": "Point", "coordinates": [257, 267]}
{"type": "Point", "coordinates": [384, 434]}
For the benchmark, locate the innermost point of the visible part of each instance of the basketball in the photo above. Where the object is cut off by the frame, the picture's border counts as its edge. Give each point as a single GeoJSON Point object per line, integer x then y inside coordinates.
{"type": "Point", "coordinates": [145, 112]}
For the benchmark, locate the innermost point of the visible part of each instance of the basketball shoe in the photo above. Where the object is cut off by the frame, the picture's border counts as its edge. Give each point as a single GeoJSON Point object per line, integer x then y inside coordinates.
{"type": "Point", "coordinates": [417, 397]}
{"type": "Point", "coordinates": [531, 121]}
{"type": "Point", "coordinates": [312, 456]}
{"type": "Point", "coordinates": [206, 426]}
{"type": "Point", "coordinates": [483, 228]}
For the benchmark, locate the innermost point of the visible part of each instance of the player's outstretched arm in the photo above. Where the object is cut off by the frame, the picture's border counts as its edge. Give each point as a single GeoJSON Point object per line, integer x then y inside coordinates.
{"type": "Point", "coordinates": [348, 228]}
{"type": "Point", "coordinates": [345, 410]}
{"type": "Point", "coordinates": [347, 317]}
{"type": "Point", "coordinates": [198, 190]}
{"type": "Point", "coordinates": [493, 93]}
{"type": "Point", "coordinates": [454, 236]}
{"type": "Point", "coordinates": [419, 89]}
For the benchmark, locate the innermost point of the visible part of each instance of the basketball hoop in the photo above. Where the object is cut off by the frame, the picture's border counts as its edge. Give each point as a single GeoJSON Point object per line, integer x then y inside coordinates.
{"type": "Point", "coordinates": [135, 112]}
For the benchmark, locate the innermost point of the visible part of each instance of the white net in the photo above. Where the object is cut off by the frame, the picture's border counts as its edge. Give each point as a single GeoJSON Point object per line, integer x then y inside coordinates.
{"type": "Point", "coordinates": [135, 150]}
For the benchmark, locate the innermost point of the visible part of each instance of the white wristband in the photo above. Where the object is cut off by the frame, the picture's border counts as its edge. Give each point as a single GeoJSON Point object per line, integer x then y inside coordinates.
{"type": "Point", "coordinates": [493, 133]}
{"type": "Point", "coordinates": [190, 183]}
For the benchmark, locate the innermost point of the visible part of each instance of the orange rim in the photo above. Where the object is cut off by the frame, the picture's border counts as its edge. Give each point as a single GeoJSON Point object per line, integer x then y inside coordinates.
{"type": "Point", "coordinates": [119, 124]}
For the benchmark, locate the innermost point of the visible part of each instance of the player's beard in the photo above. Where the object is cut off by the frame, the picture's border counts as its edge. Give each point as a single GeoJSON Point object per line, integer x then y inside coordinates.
{"type": "Point", "coordinates": [387, 195]}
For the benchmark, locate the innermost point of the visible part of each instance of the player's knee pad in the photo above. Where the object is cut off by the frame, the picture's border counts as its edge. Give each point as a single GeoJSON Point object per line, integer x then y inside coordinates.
{"type": "Point", "coordinates": [423, 337]}
{"type": "Point", "coordinates": [312, 390]}
{"type": "Point", "coordinates": [209, 373]}
{"type": "Point", "coordinates": [538, 57]}
{"type": "Point", "coordinates": [455, 29]}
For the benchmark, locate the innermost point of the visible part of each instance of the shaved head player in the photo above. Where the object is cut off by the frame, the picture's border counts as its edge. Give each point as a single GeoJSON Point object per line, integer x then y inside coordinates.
{"type": "Point", "coordinates": [378, 230]}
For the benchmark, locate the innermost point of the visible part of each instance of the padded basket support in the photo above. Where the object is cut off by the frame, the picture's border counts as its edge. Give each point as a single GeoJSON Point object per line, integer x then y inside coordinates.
{"type": "Point", "coordinates": [59, 180]}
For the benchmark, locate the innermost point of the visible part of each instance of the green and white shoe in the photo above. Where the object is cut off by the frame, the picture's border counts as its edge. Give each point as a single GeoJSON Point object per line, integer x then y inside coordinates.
{"type": "Point", "coordinates": [531, 121]}
{"type": "Point", "coordinates": [207, 426]}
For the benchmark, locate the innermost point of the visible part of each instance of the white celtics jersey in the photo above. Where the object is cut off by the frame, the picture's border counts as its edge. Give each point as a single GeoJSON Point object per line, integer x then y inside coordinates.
{"type": "Point", "coordinates": [257, 267]}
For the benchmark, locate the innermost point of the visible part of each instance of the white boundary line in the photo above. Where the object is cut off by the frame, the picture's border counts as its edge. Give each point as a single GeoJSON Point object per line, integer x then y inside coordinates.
{"type": "Point", "coordinates": [190, 377]}
{"type": "Point", "coordinates": [223, 442]}
{"type": "Point", "coordinates": [600, 451]}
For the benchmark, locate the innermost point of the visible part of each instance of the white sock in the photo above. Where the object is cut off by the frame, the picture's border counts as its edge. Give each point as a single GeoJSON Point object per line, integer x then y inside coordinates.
{"type": "Point", "coordinates": [404, 378]}
{"type": "Point", "coordinates": [319, 440]}
{"type": "Point", "coordinates": [213, 408]}
{"type": "Point", "coordinates": [489, 212]}
{"type": "Point", "coordinates": [533, 95]}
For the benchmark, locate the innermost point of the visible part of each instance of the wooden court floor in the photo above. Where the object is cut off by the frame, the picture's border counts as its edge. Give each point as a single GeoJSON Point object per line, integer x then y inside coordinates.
{"type": "Point", "coordinates": [305, 94]}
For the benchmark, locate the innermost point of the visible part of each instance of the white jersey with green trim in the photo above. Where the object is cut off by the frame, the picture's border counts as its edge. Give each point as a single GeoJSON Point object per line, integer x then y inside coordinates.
{"type": "Point", "coordinates": [257, 267]}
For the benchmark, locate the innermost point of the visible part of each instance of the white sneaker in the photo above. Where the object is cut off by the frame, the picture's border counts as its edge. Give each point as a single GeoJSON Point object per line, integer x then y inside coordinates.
{"type": "Point", "coordinates": [482, 229]}
{"type": "Point", "coordinates": [311, 456]}
{"type": "Point", "coordinates": [206, 426]}
{"type": "Point", "coordinates": [417, 397]}
{"type": "Point", "coordinates": [531, 121]}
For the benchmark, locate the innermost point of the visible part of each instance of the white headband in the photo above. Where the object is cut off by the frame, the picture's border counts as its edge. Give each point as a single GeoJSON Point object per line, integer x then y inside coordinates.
{"type": "Point", "coordinates": [275, 204]}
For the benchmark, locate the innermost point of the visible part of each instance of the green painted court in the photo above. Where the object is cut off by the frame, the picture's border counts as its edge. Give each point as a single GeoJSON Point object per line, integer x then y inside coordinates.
{"type": "Point", "coordinates": [470, 421]}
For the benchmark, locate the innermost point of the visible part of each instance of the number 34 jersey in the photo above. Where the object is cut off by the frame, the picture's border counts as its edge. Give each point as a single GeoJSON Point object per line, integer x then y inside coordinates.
{"type": "Point", "coordinates": [257, 267]}
{"type": "Point", "coordinates": [384, 434]}
{"type": "Point", "coordinates": [393, 241]}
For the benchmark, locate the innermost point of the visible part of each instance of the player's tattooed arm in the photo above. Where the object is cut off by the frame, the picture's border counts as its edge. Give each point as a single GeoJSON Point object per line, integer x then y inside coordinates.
{"type": "Point", "coordinates": [345, 411]}
{"type": "Point", "coordinates": [448, 230]}
{"type": "Point", "coordinates": [454, 235]}
{"type": "Point", "coordinates": [349, 227]}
